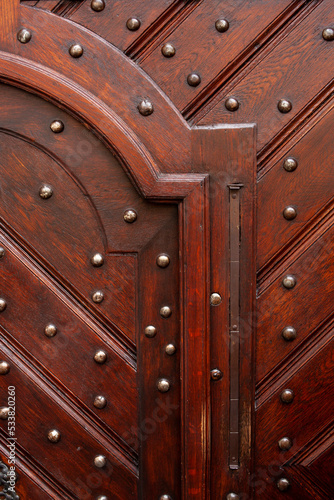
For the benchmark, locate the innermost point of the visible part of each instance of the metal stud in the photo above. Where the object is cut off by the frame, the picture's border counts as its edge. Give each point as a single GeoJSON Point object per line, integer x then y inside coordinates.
{"type": "Point", "coordinates": [100, 357]}
{"type": "Point", "coordinates": [163, 260]}
{"type": "Point", "coordinates": [170, 349]}
{"type": "Point", "coordinates": [289, 213]}
{"type": "Point", "coordinates": [284, 105]}
{"type": "Point", "coordinates": [232, 496]}
{"type": "Point", "coordinates": [193, 79]}
{"type": "Point", "coordinates": [165, 312]}
{"type": "Point", "coordinates": [100, 402]}
{"type": "Point", "coordinates": [168, 50]}
{"type": "Point", "coordinates": [4, 367]}
{"type": "Point", "coordinates": [145, 107]}
{"type": "Point", "coordinates": [165, 497]}
{"type": "Point", "coordinates": [57, 126]}
{"type": "Point", "coordinates": [163, 385]}
{"type": "Point", "coordinates": [97, 5]}
{"type": "Point", "coordinates": [2, 252]}
{"type": "Point", "coordinates": [289, 281]}
{"type": "Point", "coordinates": [45, 192]}
{"type": "Point", "coordinates": [50, 330]}
{"type": "Point", "coordinates": [328, 34]}
{"type": "Point", "coordinates": [24, 35]}
{"type": "Point", "coordinates": [283, 484]}
{"type": "Point", "coordinates": [97, 260]}
{"type": "Point", "coordinates": [100, 461]}
{"type": "Point", "coordinates": [285, 443]}
{"type": "Point", "coordinates": [290, 164]}
{"type": "Point", "coordinates": [3, 305]}
{"type": "Point", "coordinates": [150, 331]}
{"type": "Point", "coordinates": [133, 24]}
{"type": "Point", "coordinates": [4, 412]}
{"type": "Point", "coordinates": [130, 216]}
{"type": "Point", "coordinates": [222, 25]}
{"type": "Point", "coordinates": [231, 104]}
{"type": "Point", "coordinates": [76, 50]}
{"type": "Point", "coordinates": [54, 436]}
{"type": "Point", "coordinates": [216, 374]}
{"type": "Point", "coordinates": [289, 333]}
{"type": "Point", "coordinates": [287, 396]}
{"type": "Point", "coordinates": [98, 297]}
{"type": "Point", "coordinates": [215, 299]}
{"type": "Point", "coordinates": [102, 497]}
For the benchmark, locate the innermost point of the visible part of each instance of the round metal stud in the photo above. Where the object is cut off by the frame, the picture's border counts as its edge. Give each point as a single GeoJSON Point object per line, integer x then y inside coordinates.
{"type": "Point", "coordinates": [102, 497]}
{"type": "Point", "coordinates": [133, 24]}
{"type": "Point", "coordinates": [145, 107]}
{"type": "Point", "coordinates": [98, 297]}
{"type": "Point", "coordinates": [2, 252]}
{"type": "Point", "coordinates": [97, 5]}
{"type": "Point", "coordinates": [100, 461]}
{"type": "Point", "coordinates": [57, 126]}
{"type": "Point", "coordinates": [285, 443]}
{"type": "Point", "coordinates": [284, 106]}
{"type": "Point", "coordinates": [54, 436]}
{"type": "Point", "coordinates": [3, 305]}
{"type": "Point", "coordinates": [328, 34]}
{"type": "Point", "coordinates": [24, 35]}
{"type": "Point", "coordinates": [100, 357]}
{"type": "Point", "coordinates": [289, 281]}
{"type": "Point", "coordinates": [289, 333]}
{"type": "Point", "coordinates": [215, 299]}
{"type": "Point", "coordinates": [130, 216]}
{"type": "Point", "coordinates": [193, 79]}
{"type": "Point", "coordinates": [45, 192]}
{"type": "Point", "coordinates": [50, 330]}
{"type": "Point", "coordinates": [97, 260]}
{"type": "Point", "coordinates": [168, 50]}
{"type": "Point", "coordinates": [165, 312]}
{"type": "Point", "coordinates": [76, 50]}
{"type": "Point", "coordinates": [163, 260]}
{"type": "Point", "coordinates": [290, 164]}
{"type": "Point", "coordinates": [222, 25]}
{"type": "Point", "coordinates": [283, 484]}
{"type": "Point", "coordinates": [163, 385]}
{"type": "Point", "coordinates": [4, 412]}
{"type": "Point", "coordinates": [289, 213]}
{"type": "Point", "coordinates": [100, 402]}
{"type": "Point", "coordinates": [287, 396]}
{"type": "Point", "coordinates": [231, 104]}
{"type": "Point", "coordinates": [165, 497]}
{"type": "Point", "coordinates": [4, 367]}
{"type": "Point", "coordinates": [150, 331]}
{"type": "Point", "coordinates": [232, 496]}
{"type": "Point", "coordinates": [170, 349]}
{"type": "Point", "coordinates": [216, 374]}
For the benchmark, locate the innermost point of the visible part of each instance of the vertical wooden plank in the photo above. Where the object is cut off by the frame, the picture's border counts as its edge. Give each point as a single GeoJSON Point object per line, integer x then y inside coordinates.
{"type": "Point", "coordinates": [9, 20]}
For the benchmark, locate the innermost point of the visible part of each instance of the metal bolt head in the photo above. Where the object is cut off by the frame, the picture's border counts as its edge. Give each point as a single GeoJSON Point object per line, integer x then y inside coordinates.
{"type": "Point", "coordinates": [328, 34]}
{"type": "Point", "coordinates": [76, 50]}
{"type": "Point", "coordinates": [45, 192]}
{"type": "Point", "coordinates": [100, 357]}
{"type": "Point", "coordinates": [102, 497]}
{"type": "Point", "coordinates": [222, 25]}
{"type": "Point", "coordinates": [2, 252]}
{"type": "Point", "coordinates": [163, 385]}
{"type": "Point", "coordinates": [232, 496]}
{"type": "Point", "coordinates": [133, 24]}
{"type": "Point", "coordinates": [163, 260]}
{"type": "Point", "coordinates": [145, 107]}
{"type": "Point", "coordinates": [4, 367]}
{"type": "Point", "coordinates": [4, 412]}
{"type": "Point", "coordinates": [283, 484]}
{"type": "Point", "coordinates": [130, 216]}
{"type": "Point", "coordinates": [289, 281]}
{"type": "Point", "coordinates": [100, 402]}
{"type": "Point", "coordinates": [285, 443]}
{"type": "Point", "coordinates": [165, 497]}
{"type": "Point", "coordinates": [231, 104]}
{"type": "Point", "coordinates": [57, 126]}
{"type": "Point", "coordinates": [50, 330]}
{"type": "Point", "coordinates": [97, 5]}
{"type": "Point", "coordinates": [289, 333]}
{"type": "Point", "coordinates": [168, 50]}
{"type": "Point", "coordinates": [284, 105]}
{"type": "Point", "coordinates": [165, 312]}
{"type": "Point", "coordinates": [150, 331]}
{"type": "Point", "coordinates": [24, 35]}
{"type": "Point", "coordinates": [54, 436]}
{"type": "Point", "coordinates": [290, 164]}
{"type": "Point", "coordinates": [193, 79]}
{"type": "Point", "coordinates": [98, 297]}
{"type": "Point", "coordinates": [97, 260]}
{"type": "Point", "coordinates": [170, 349]}
{"type": "Point", "coordinates": [289, 213]}
{"type": "Point", "coordinates": [100, 461]}
{"type": "Point", "coordinates": [287, 396]}
{"type": "Point", "coordinates": [215, 299]}
{"type": "Point", "coordinates": [216, 374]}
{"type": "Point", "coordinates": [3, 305]}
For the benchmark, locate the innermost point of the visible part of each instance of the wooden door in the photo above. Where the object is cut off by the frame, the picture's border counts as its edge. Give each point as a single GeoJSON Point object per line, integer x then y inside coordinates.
{"type": "Point", "coordinates": [166, 249]}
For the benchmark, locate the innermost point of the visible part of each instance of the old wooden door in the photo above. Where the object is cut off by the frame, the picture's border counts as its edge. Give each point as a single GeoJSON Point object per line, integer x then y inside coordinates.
{"type": "Point", "coordinates": [166, 249]}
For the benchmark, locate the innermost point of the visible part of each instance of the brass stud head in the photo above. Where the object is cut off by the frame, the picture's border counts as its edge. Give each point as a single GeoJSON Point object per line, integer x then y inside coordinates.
{"type": "Point", "coordinates": [3, 305]}
{"type": "Point", "coordinates": [287, 396]}
{"type": "Point", "coordinates": [54, 436]}
{"type": "Point", "coordinates": [283, 484]}
{"type": "Point", "coordinates": [289, 213]}
{"type": "Point", "coordinates": [57, 126]}
{"type": "Point", "coordinates": [170, 349]}
{"type": "Point", "coordinates": [50, 330]}
{"type": "Point", "coordinates": [289, 281]}
{"type": "Point", "coordinates": [150, 331]}
{"type": "Point", "coordinates": [100, 402]}
{"type": "Point", "coordinates": [290, 164]}
{"type": "Point", "coordinates": [100, 461]}
{"type": "Point", "coordinates": [168, 50]}
{"type": "Point", "coordinates": [2, 252]}
{"type": "Point", "coordinates": [145, 107]}
{"type": "Point", "coordinates": [133, 24]}
{"type": "Point", "coordinates": [163, 260]}
{"type": "Point", "coordinates": [232, 496]}
{"type": "Point", "coordinates": [97, 5]}
{"type": "Point", "coordinates": [328, 34]}
{"type": "Point", "coordinates": [24, 35]}
{"type": "Point", "coordinates": [289, 333]}
{"type": "Point", "coordinates": [102, 497]}
{"type": "Point", "coordinates": [222, 25]}
{"type": "Point", "coordinates": [216, 374]}
{"type": "Point", "coordinates": [193, 79]}
{"type": "Point", "coordinates": [130, 216]}
{"type": "Point", "coordinates": [231, 104]}
{"type": "Point", "coordinates": [285, 443]}
{"type": "Point", "coordinates": [284, 105]}
{"type": "Point", "coordinates": [215, 299]}
{"type": "Point", "coordinates": [163, 385]}
{"type": "Point", "coordinates": [4, 412]}
{"type": "Point", "coordinates": [4, 367]}
{"type": "Point", "coordinates": [165, 497]}
{"type": "Point", "coordinates": [98, 297]}
{"type": "Point", "coordinates": [100, 357]}
{"type": "Point", "coordinates": [45, 192]}
{"type": "Point", "coordinates": [76, 50]}
{"type": "Point", "coordinates": [165, 312]}
{"type": "Point", "coordinates": [97, 260]}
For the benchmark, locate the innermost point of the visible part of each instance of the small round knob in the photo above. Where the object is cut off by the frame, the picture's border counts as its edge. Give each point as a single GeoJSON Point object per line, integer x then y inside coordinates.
{"type": "Point", "coordinates": [97, 5]}
{"type": "Point", "coordinates": [133, 24]}
{"type": "Point", "coordinates": [232, 496]}
{"type": "Point", "coordinates": [97, 260]}
{"type": "Point", "coordinates": [76, 50]}
{"type": "Point", "coordinates": [290, 213]}
{"type": "Point", "coordinates": [222, 25]}
{"type": "Point", "coordinates": [216, 374]}
{"type": "Point", "coordinates": [102, 497]}
{"type": "Point", "coordinates": [284, 105]}
{"type": "Point", "coordinates": [289, 333]}
{"type": "Point", "coordinates": [289, 281]}
{"type": "Point", "coordinates": [4, 367]}
{"type": "Point", "coordinates": [3, 305]}
{"type": "Point", "coordinates": [163, 385]}
{"type": "Point", "coordinates": [100, 357]}
{"type": "Point", "coordinates": [165, 497]}
{"type": "Point", "coordinates": [150, 331]}
{"type": "Point", "coordinates": [193, 79]}
{"type": "Point", "coordinates": [285, 443]}
{"type": "Point", "coordinates": [168, 50]}
{"type": "Point", "coordinates": [45, 192]}
{"type": "Point", "coordinates": [54, 436]}
{"type": "Point", "coordinates": [165, 312]}
{"type": "Point", "coordinates": [215, 299]}
{"type": "Point", "coordinates": [170, 349]}
{"type": "Point", "coordinates": [50, 330]}
{"type": "Point", "coordinates": [100, 402]}
{"type": "Point", "coordinates": [4, 412]}
{"type": "Point", "coordinates": [2, 252]}
{"type": "Point", "coordinates": [328, 34]}
{"type": "Point", "coordinates": [98, 297]}
{"type": "Point", "coordinates": [231, 104]}
{"type": "Point", "coordinates": [283, 484]}
{"type": "Point", "coordinates": [57, 126]}
{"type": "Point", "coordinates": [290, 164]}
{"type": "Point", "coordinates": [100, 461]}
{"type": "Point", "coordinates": [130, 216]}
{"type": "Point", "coordinates": [24, 35]}
{"type": "Point", "coordinates": [163, 260]}
{"type": "Point", "coordinates": [145, 107]}
{"type": "Point", "coordinates": [287, 396]}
